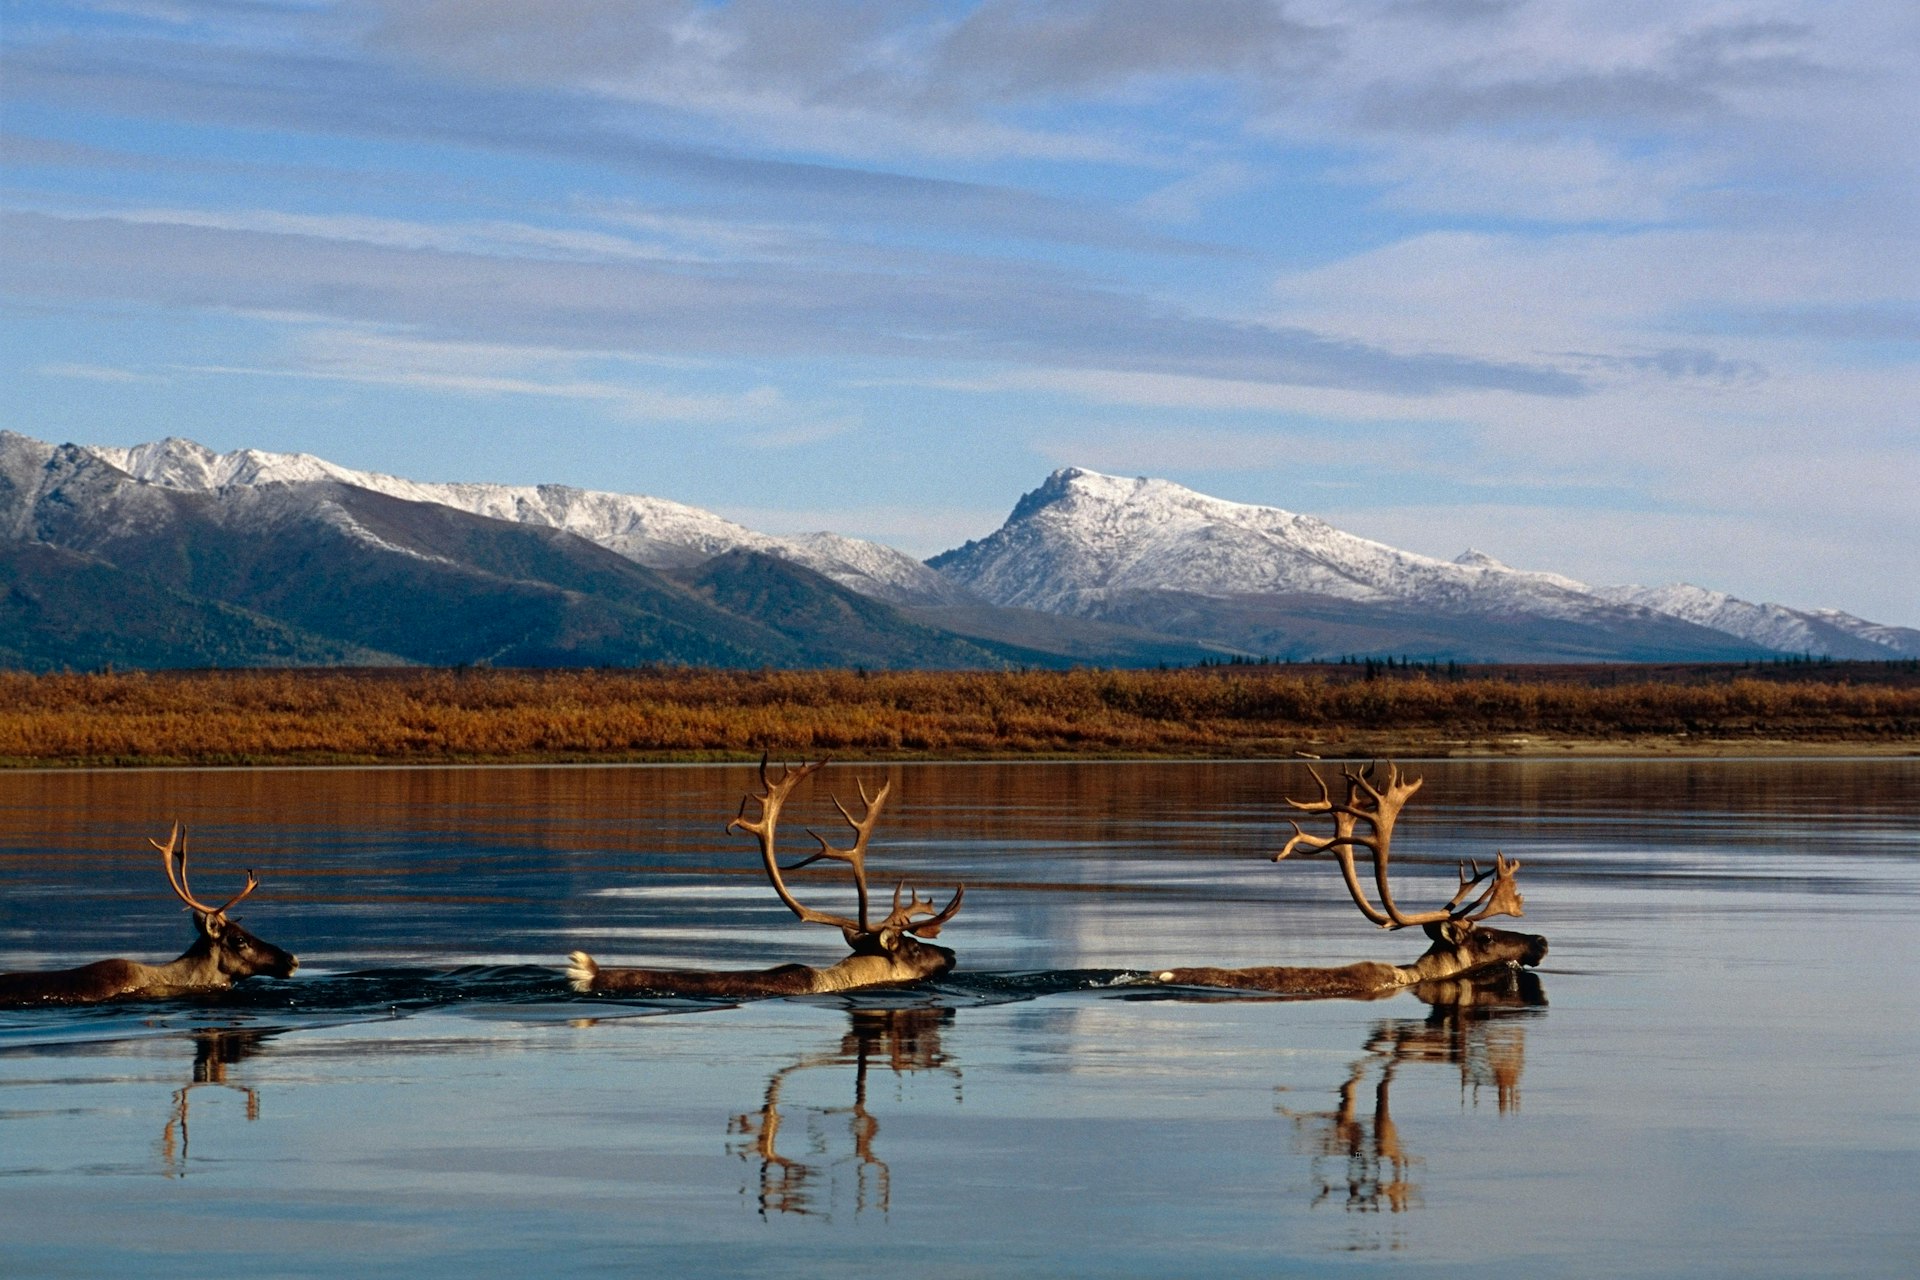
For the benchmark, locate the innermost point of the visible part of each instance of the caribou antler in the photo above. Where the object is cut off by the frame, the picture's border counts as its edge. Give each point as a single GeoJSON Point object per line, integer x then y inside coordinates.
{"type": "Point", "coordinates": [1501, 898]}
{"type": "Point", "coordinates": [856, 857]}
{"type": "Point", "coordinates": [176, 847]}
{"type": "Point", "coordinates": [916, 905]}
{"type": "Point", "coordinates": [901, 918]}
{"type": "Point", "coordinates": [1378, 808]}
{"type": "Point", "coordinates": [763, 829]}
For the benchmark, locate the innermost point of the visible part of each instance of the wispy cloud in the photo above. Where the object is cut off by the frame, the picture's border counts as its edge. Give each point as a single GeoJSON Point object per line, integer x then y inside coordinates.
{"type": "Point", "coordinates": [1644, 258]}
{"type": "Point", "coordinates": [631, 305]}
{"type": "Point", "coordinates": [491, 238]}
{"type": "Point", "coordinates": [337, 94]}
{"type": "Point", "coordinates": [94, 373]}
{"type": "Point", "coordinates": [491, 370]}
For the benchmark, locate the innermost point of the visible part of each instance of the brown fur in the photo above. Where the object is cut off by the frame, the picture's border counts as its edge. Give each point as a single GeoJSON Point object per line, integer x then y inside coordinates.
{"type": "Point", "coordinates": [221, 955]}
{"type": "Point", "coordinates": [1460, 949]}
{"type": "Point", "coordinates": [910, 961]}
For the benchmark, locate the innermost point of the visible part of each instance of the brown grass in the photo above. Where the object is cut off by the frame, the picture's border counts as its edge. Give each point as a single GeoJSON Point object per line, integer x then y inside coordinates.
{"type": "Point", "coordinates": [344, 716]}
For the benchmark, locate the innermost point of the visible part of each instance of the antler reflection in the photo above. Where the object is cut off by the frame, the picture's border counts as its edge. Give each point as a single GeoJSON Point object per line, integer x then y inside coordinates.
{"type": "Point", "coordinates": [214, 1050]}
{"type": "Point", "coordinates": [1469, 1027]}
{"type": "Point", "coordinates": [905, 1040]}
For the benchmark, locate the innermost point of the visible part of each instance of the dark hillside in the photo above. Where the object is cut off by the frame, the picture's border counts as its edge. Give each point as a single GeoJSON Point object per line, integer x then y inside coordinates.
{"type": "Point", "coordinates": [826, 624]}
{"type": "Point", "coordinates": [62, 610]}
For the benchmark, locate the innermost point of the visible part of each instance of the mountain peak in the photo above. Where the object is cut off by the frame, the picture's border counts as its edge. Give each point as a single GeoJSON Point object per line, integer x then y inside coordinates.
{"type": "Point", "coordinates": [1080, 489]}
{"type": "Point", "coordinates": [188, 465]}
{"type": "Point", "coordinates": [1082, 535]}
{"type": "Point", "coordinates": [1063, 485]}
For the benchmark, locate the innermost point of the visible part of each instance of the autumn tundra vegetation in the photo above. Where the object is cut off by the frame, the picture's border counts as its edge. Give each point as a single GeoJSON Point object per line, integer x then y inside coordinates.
{"type": "Point", "coordinates": [1356, 709]}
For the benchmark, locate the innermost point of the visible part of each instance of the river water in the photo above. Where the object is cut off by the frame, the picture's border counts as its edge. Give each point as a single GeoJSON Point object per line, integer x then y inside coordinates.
{"type": "Point", "coordinates": [1715, 1072]}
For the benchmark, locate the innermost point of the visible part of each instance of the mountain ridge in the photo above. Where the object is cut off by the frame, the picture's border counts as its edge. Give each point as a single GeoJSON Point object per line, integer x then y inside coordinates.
{"type": "Point", "coordinates": [1085, 543]}
{"type": "Point", "coordinates": [1088, 568]}
{"type": "Point", "coordinates": [657, 532]}
{"type": "Point", "coordinates": [376, 576]}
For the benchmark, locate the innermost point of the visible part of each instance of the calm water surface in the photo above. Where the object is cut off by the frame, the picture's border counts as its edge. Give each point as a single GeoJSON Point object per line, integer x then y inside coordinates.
{"type": "Point", "coordinates": [1715, 1073]}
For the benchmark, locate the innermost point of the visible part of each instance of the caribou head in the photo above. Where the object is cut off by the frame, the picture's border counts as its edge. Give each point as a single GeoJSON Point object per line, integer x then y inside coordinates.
{"type": "Point", "coordinates": [228, 950]}
{"type": "Point", "coordinates": [222, 954]}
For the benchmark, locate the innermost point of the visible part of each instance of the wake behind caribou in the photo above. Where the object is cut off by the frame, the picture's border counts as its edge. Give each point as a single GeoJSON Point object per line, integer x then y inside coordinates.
{"type": "Point", "coordinates": [1462, 948]}
{"type": "Point", "coordinates": [890, 953]}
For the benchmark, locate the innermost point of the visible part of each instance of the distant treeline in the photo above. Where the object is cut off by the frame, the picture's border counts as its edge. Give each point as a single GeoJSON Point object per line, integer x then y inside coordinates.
{"type": "Point", "coordinates": [416, 715]}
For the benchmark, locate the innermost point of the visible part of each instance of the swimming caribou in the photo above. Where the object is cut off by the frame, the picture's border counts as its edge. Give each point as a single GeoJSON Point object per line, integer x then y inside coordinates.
{"type": "Point", "coordinates": [1462, 946]}
{"type": "Point", "coordinates": [220, 956]}
{"type": "Point", "coordinates": [892, 952]}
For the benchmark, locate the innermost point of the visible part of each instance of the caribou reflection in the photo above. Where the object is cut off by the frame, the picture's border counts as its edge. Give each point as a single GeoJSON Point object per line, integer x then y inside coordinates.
{"type": "Point", "coordinates": [835, 1144]}
{"type": "Point", "coordinates": [1358, 1160]}
{"type": "Point", "coordinates": [214, 1050]}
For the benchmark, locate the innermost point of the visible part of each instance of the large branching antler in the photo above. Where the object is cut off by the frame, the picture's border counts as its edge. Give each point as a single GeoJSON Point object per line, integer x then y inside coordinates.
{"type": "Point", "coordinates": [855, 857]}
{"type": "Point", "coordinates": [176, 847]}
{"type": "Point", "coordinates": [1377, 809]}
{"type": "Point", "coordinates": [905, 917]}
{"type": "Point", "coordinates": [771, 798]}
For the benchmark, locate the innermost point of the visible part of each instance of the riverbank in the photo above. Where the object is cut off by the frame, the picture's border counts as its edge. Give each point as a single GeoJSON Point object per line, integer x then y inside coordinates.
{"type": "Point", "coordinates": [416, 716]}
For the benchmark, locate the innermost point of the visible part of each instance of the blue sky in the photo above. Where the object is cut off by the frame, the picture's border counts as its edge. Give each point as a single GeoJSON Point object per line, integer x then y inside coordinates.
{"type": "Point", "coordinates": [1627, 291]}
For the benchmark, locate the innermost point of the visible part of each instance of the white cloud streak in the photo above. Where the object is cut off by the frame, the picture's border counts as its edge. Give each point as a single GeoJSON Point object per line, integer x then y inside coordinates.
{"type": "Point", "coordinates": [491, 370]}
{"type": "Point", "coordinates": [1660, 257]}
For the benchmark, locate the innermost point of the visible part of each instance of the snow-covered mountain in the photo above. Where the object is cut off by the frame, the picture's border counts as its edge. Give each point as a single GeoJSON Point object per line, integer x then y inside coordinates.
{"type": "Point", "coordinates": [1900, 639]}
{"type": "Point", "coordinates": [1160, 561]}
{"type": "Point", "coordinates": [98, 567]}
{"type": "Point", "coordinates": [1803, 631]}
{"type": "Point", "coordinates": [655, 532]}
{"type": "Point", "coordinates": [1083, 535]}
{"type": "Point", "coordinates": [1088, 544]}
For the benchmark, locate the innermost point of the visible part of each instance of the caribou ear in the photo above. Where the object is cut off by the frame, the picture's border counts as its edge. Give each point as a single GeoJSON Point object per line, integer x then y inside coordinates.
{"type": "Point", "coordinates": [211, 925]}
{"type": "Point", "coordinates": [1452, 932]}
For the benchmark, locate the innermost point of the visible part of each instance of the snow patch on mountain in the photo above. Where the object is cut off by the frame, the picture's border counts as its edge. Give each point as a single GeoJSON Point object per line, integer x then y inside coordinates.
{"type": "Point", "coordinates": [1473, 559]}
{"type": "Point", "coordinates": [1817, 631]}
{"type": "Point", "coordinates": [655, 532]}
{"type": "Point", "coordinates": [1905, 640]}
{"type": "Point", "coordinates": [875, 569]}
{"type": "Point", "coordinates": [338, 517]}
{"type": "Point", "coordinates": [1083, 535]}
